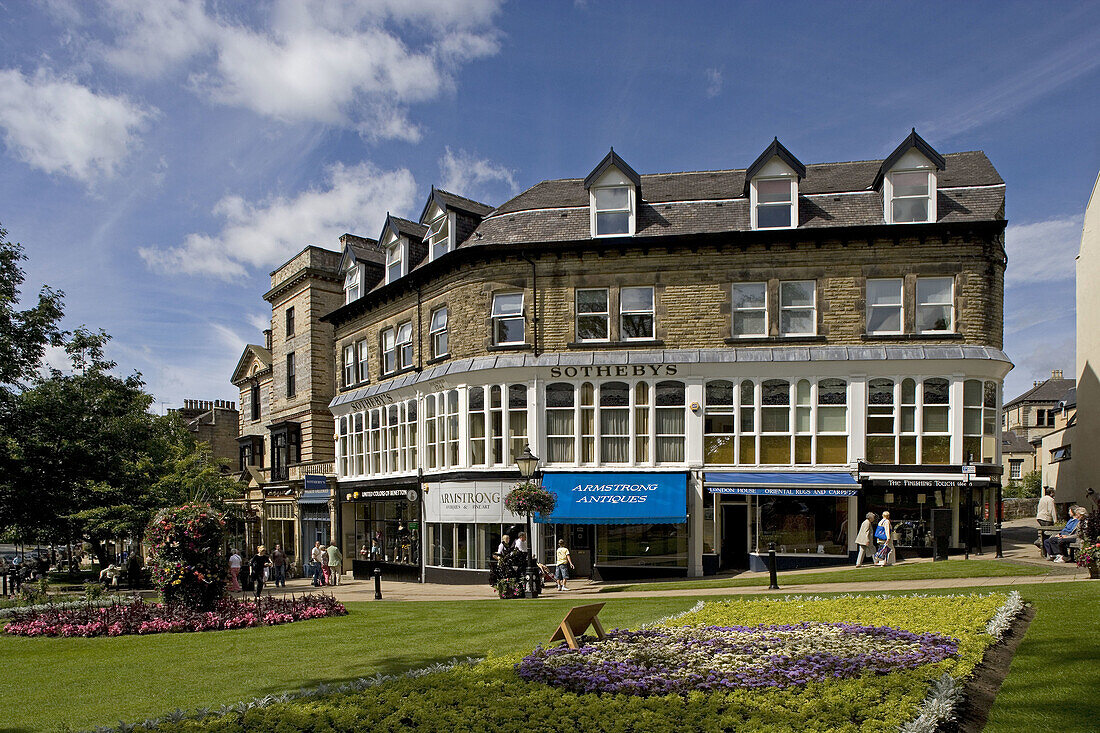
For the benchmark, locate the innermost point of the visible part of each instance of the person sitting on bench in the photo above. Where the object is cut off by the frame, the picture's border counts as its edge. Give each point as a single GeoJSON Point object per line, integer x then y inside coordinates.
{"type": "Point", "coordinates": [1056, 545]}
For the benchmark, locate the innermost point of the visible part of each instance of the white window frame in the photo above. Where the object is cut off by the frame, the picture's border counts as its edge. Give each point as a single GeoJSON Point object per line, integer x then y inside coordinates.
{"type": "Point", "coordinates": [395, 255]}
{"type": "Point", "coordinates": [950, 304]}
{"type": "Point", "coordinates": [350, 376]}
{"type": "Point", "coordinates": [756, 204]}
{"type": "Point", "coordinates": [605, 314]}
{"type": "Point", "coordinates": [499, 316]}
{"type": "Point", "coordinates": [651, 312]}
{"type": "Point", "coordinates": [889, 197]}
{"type": "Point", "coordinates": [899, 305]}
{"type": "Point", "coordinates": [363, 354]}
{"type": "Point", "coordinates": [1015, 469]}
{"type": "Point", "coordinates": [437, 331]}
{"type": "Point", "coordinates": [630, 209]}
{"type": "Point", "coordinates": [442, 224]}
{"type": "Point", "coordinates": [389, 350]}
{"type": "Point", "coordinates": [748, 309]}
{"type": "Point", "coordinates": [353, 285]}
{"type": "Point", "coordinates": [812, 308]}
{"type": "Point", "coordinates": [404, 344]}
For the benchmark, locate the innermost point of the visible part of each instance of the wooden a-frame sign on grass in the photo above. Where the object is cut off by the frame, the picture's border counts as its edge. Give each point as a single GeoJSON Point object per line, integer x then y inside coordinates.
{"type": "Point", "coordinates": [576, 622]}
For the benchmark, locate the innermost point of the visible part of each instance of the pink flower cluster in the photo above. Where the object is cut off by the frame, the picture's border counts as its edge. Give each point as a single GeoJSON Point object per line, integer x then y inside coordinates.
{"type": "Point", "coordinates": [138, 617]}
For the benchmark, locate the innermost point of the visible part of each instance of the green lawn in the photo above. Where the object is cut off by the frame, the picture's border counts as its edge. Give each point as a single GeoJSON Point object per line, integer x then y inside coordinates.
{"type": "Point", "coordinates": [954, 568]}
{"type": "Point", "coordinates": [48, 684]}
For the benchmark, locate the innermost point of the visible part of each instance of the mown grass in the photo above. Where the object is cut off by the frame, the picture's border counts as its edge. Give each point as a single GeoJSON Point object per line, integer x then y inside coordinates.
{"type": "Point", "coordinates": [954, 568]}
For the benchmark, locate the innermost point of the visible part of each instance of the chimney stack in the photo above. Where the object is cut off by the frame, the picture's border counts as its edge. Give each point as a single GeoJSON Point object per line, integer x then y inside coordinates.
{"type": "Point", "coordinates": [267, 338]}
{"type": "Point", "coordinates": [1055, 373]}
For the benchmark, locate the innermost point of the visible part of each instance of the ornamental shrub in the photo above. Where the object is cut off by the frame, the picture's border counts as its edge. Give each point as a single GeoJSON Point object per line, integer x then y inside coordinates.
{"type": "Point", "coordinates": [530, 498]}
{"type": "Point", "coordinates": [186, 555]}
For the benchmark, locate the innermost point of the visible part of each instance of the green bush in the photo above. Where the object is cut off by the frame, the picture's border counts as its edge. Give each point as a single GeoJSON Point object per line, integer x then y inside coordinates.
{"type": "Point", "coordinates": [490, 696]}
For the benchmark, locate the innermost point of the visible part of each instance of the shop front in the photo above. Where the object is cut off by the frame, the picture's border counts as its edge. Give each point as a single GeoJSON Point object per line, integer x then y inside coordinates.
{"type": "Point", "coordinates": [280, 518]}
{"type": "Point", "coordinates": [958, 503]}
{"type": "Point", "coordinates": [620, 525]}
{"type": "Point", "coordinates": [314, 516]}
{"type": "Point", "coordinates": [381, 527]}
{"type": "Point", "coordinates": [806, 516]}
{"type": "Point", "coordinates": [464, 522]}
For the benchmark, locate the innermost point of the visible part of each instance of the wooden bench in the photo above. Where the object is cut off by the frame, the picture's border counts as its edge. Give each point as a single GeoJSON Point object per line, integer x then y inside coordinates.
{"type": "Point", "coordinates": [1071, 548]}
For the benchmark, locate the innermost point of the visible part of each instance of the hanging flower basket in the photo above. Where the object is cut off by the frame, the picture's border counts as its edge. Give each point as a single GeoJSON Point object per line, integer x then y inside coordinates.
{"type": "Point", "coordinates": [530, 498]}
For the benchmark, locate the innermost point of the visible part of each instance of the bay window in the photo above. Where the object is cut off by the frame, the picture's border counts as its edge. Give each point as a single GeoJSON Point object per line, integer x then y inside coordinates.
{"type": "Point", "coordinates": [979, 420]}
{"type": "Point", "coordinates": [935, 422]}
{"type": "Point", "coordinates": [475, 400]}
{"type": "Point", "coordinates": [832, 421]}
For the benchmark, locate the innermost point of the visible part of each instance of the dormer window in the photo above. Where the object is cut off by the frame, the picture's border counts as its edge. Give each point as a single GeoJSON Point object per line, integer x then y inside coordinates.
{"type": "Point", "coordinates": [908, 180]}
{"type": "Point", "coordinates": [439, 235]}
{"type": "Point", "coordinates": [395, 260]}
{"type": "Point", "coordinates": [352, 285]}
{"type": "Point", "coordinates": [773, 207]}
{"type": "Point", "coordinates": [613, 195]}
{"type": "Point", "coordinates": [771, 184]}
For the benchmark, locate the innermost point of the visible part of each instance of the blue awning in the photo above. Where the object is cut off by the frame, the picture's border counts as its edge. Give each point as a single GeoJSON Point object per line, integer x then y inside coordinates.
{"type": "Point", "coordinates": [315, 496]}
{"type": "Point", "coordinates": [773, 483]}
{"type": "Point", "coordinates": [617, 498]}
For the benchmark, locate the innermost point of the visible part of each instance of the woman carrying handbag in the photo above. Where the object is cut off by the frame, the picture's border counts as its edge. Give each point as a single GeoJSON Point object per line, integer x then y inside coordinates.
{"type": "Point", "coordinates": [885, 534]}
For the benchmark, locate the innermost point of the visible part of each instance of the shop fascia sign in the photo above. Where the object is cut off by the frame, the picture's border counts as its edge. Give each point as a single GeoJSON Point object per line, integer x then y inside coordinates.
{"type": "Point", "coordinates": [481, 502]}
{"type": "Point", "coordinates": [920, 483]}
{"type": "Point", "coordinates": [614, 370]}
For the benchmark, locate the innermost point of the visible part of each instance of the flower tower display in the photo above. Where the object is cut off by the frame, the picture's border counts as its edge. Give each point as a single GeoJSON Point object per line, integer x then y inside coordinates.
{"type": "Point", "coordinates": [186, 555]}
{"type": "Point", "coordinates": [529, 498]}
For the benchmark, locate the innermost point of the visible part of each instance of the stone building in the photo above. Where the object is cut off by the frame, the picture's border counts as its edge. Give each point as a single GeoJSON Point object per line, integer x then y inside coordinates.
{"type": "Point", "coordinates": [214, 422]}
{"type": "Point", "coordinates": [706, 363]}
{"type": "Point", "coordinates": [286, 429]}
{"type": "Point", "coordinates": [1032, 414]}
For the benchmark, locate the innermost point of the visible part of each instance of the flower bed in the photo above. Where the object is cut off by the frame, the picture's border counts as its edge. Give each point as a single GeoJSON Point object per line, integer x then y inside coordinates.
{"type": "Point", "coordinates": [138, 617]}
{"type": "Point", "coordinates": [685, 658]}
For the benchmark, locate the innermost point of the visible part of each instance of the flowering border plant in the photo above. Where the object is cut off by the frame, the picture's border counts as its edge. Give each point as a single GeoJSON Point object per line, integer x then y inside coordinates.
{"type": "Point", "coordinates": [530, 498]}
{"type": "Point", "coordinates": [186, 556]}
{"type": "Point", "coordinates": [139, 617]}
{"type": "Point", "coordinates": [682, 659]}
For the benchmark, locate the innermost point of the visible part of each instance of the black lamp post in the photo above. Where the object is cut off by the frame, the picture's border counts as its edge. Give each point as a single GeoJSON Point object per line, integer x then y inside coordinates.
{"type": "Point", "coordinates": [527, 463]}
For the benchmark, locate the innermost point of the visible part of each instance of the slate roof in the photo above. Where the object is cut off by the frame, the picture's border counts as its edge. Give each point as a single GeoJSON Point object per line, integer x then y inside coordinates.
{"type": "Point", "coordinates": [461, 203]}
{"type": "Point", "coordinates": [1013, 443]}
{"type": "Point", "coordinates": [1051, 390]}
{"type": "Point", "coordinates": [831, 195]}
{"type": "Point", "coordinates": [408, 228]}
{"type": "Point", "coordinates": [260, 353]}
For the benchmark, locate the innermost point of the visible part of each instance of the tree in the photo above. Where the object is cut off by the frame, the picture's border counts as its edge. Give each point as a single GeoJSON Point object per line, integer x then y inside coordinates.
{"type": "Point", "coordinates": [24, 334]}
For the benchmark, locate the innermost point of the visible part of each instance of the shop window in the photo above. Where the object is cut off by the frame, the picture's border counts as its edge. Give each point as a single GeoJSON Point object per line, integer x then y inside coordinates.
{"type": "Point", "coordinates": [641, 422]}
{"type": "Point", "coordinates": [479, 455]}
{"type": "Point", "coordinates": [798, 309]}
{"type": "Point", "coordinates": [749, 305]}
{"type": "Point", "coordinates": [832, 421]}
{"type": "Point", "coordinates": [670, 407]}
{"type": "Point", "coordinates": [593, 316]}
{"type": "Point", "coordinates": [935, 422]}
{"type": "Point", "coordinates": [508, 319]}
{"type": "Point", "coordinates": [614, 422]}
{"type": "Point", "coordinates": [437, 333]}
{"type": "Point", "coordinates": [801, 525]}
{"type": "Point", "coordinates": [636, 313]}
{"type": "Point", "coordinates": [935, 305]}
{"type": "Point", "coordinates": [588, 423]}
{"type": "Point", "coordinates": [746, 454]}
{"type": "Point", "coordinates": [641, 545]}
{"type": "Point", "coordinates": [719, 424]}
{"type": "Point", "coordinates": [560, 422]}
{"type": "Point", "coordinates": [517, 419]}
{"type": "Point", "coordinates": [393, 526]}
{"type": "Point", "coordinates": [884, 308]}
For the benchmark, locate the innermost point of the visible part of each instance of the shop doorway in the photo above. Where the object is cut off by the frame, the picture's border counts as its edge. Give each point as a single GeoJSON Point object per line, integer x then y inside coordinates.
{"type": "Point", "coordinates": [579, 538]}
{"type": "Point", "coordinates": [735, 536]}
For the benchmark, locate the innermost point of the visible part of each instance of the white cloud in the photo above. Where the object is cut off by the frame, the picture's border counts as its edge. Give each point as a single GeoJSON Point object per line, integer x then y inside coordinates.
{"type": "Point", "coordinates": [59, 126]}
{"type": "Point", "coordinates": [1042, 251]}
{"type": "Point", "coordinates": [714, 82]}
{"type": "Point", "coordinates": [259, 321]}
{"type": "Point", "coordinates": [478, 178]}
{"type": "Point", "coordinates": [355, 199]}
{"type": "Point", "coordinates": [341, 63]}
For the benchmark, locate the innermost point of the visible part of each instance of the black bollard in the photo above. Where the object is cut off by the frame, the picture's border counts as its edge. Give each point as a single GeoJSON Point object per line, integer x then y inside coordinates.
{"type": "Point", "coordinates": [378, 584]}
{"type": "Point", "coordinates": [771, 567]}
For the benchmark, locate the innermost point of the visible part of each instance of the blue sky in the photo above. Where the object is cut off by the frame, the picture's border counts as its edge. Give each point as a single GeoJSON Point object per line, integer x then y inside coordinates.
{"type": "Point", "coordinates": [158, 160]}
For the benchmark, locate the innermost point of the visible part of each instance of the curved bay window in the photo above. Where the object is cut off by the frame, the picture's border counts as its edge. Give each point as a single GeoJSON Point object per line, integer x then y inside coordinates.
{"type": "Point", "coordinates": [935, 422]}
{"type": "Point", "coordinates": [560, 422]}
{"type": "Point", "coordinates": [719, 423]}
{"type": "Point", "coordinates": [832, 421]}
{"type": "Point", "coordinates": [669, 419]}
{"type": "Point", "coordinates": [615, 422]}
{"type": "Point", "coordinates": [775, 422]}
{"type": "Point", "coordinates": [979, 420]}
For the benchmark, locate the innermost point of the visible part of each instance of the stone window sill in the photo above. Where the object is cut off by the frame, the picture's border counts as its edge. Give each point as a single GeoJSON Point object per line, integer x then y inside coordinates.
{"type": "Point", "coordinates": [911, 337]}
{"type": "Point", "coordinates": [776, 340]}
{"type": "Point", "coordinates": [650, 343]}
{"type": "Point", "coordinates": [437, 359]}
{"type": "Point", "coordinates": [509, 347]}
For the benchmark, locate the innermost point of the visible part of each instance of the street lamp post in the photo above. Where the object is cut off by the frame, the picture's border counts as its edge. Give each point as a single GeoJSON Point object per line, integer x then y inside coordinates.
{"type": "Point", "coordinates": [528, 462]}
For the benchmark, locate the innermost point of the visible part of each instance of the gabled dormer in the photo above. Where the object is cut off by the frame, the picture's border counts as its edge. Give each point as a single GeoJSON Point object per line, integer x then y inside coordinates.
{"type": "Point", "coordinates": [771, 183]}
{"type": "Point", "coordinates": [614, 189]}
{"type": "Point", "coordinates": [361, 265]}
{"type": "Point", "coordinates": [908, 181]}
{"type": "Point", "coordinates": [402, 243]}
{"type": "Point", "coordinates": [449, 219]}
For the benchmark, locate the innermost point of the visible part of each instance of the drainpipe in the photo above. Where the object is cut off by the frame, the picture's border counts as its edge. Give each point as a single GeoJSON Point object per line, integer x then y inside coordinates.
{"type": "Point", "coordinates": [534, 308]}
{"type": "Point", "coordinates": [419, 334]}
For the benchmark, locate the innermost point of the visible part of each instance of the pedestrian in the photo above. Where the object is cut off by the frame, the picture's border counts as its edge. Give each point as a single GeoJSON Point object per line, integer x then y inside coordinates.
{"type": "Point", "coordinates": [315, 563]}
{"type": "Point", "coordinates": [234, 571]}
{"type": "Point", "coordinates": [563, 565]}
{"type": "Point", "coordinates": [521, 542]}
{"type": "Point", "coordinates": [334, 561]}
{"type": "Point", "coordinates": [865, 539]}
{"type": "Point", "coordinates": [1056, 545]}
{"type": "Point", "coordinates": [278, 566]}
{"type": "Point", "coordinates": [257, 565]}
{"type": "Point", "coordinates": [326, 578]}
{"type": "Point", "coordinates": [504, 549]}
{"type": "Point", "coordinates": [134, 565]}
{"type": "Point", "coordinates": [1047, 513]}
{"type": "Point", "coordinates": [885, 533]}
